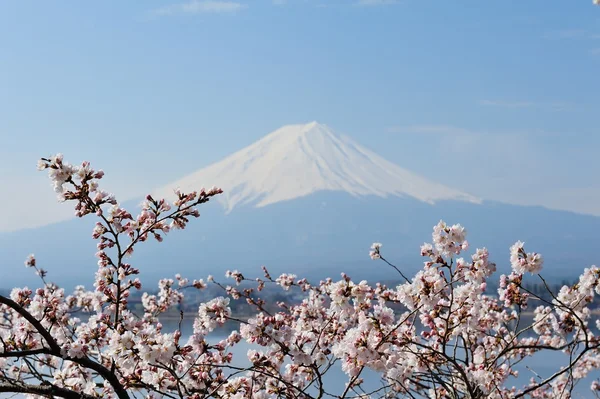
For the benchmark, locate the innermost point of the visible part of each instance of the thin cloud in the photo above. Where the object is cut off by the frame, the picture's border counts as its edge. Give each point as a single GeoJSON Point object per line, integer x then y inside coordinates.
{"type": "Point", "coordinates": [556, 106]}
{"type": "Point", "coordinates": [310, 3]}
{"type": "Point", "coordinates": [499, 166]}
{"type": "Point", "coordinates": [201, 7]}
{"type": "Point", "coordinates": [367, 3]}
{"type": "Point", "coordinates": [354, 3]}
{"type": "Point", "coordinates": [507, 104]}
{"type": "Point", "coordinates": [576, 34]}
{"type": "Point", "coordinates": [566, 34]}
{"type": "Point", "coordinates": [429, 129]}
{"type": "Point", "coordinates": [455, 131]}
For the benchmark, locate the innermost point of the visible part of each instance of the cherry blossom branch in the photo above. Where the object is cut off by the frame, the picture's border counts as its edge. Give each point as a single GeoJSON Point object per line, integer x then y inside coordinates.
{"type": "Point", "coordinates": [55, 349]}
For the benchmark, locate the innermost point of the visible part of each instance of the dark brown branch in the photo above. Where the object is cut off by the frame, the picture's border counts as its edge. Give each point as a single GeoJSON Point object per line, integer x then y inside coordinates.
{"type": "Point", "coordinates": [48, 390]}
{"type": "Point", "coordinates": [31, 352]}
{"type": "Point", "coordinates": [394, 266]}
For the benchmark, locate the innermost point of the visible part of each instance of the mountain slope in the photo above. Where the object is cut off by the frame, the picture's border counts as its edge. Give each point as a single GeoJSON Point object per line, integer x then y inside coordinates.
{"type": "Point", "coordinates": [298, 160]}
{"type": "Point", "coordinates": [316, 236]}
{"type": "Point", "coordinates": [311, 202]}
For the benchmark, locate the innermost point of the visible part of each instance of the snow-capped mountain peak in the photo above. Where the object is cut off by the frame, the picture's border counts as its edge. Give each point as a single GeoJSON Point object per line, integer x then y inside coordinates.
{"type": "Point", "coordinates": [298, 160]}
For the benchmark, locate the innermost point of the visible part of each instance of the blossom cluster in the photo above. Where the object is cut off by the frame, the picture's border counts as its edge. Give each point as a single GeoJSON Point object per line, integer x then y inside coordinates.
{"type": "Point", "coordinates": [439, 334]}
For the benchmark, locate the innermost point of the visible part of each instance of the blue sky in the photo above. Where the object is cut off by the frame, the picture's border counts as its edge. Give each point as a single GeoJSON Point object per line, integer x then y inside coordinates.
{"type": "Point", "coordinates": [500, 99]}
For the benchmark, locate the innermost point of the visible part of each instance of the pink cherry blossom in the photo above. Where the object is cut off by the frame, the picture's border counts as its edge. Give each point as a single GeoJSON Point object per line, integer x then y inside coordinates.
{"type": "Point", "coordinates": [436, 335]}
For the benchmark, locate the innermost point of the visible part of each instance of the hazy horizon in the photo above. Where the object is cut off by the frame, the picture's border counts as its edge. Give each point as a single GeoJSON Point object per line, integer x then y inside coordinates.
{"type": "Point", "coordinates": [506, 91]}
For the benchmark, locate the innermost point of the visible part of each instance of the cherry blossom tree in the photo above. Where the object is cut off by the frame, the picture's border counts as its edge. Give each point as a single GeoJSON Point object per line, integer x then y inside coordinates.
{"type": "Point", "coordinates": [435, 335]}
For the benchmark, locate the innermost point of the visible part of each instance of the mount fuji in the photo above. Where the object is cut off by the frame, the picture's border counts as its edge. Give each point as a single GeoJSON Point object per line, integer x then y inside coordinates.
{"type": "Point", "coordinates": [298, 160]}
{"type": "Point", "coordinates": [307, 200]}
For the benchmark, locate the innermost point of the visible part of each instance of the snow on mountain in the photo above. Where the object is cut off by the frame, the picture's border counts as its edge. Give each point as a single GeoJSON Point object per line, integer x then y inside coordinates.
{"type": "Point", "coordinates": [298, 160]}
